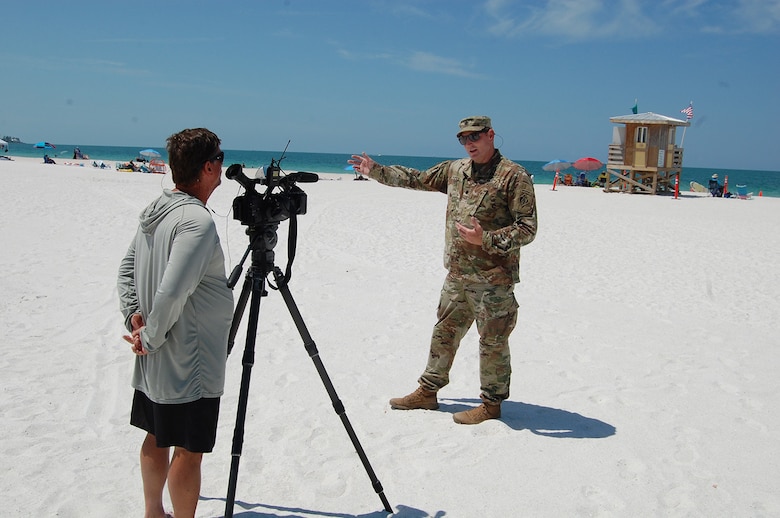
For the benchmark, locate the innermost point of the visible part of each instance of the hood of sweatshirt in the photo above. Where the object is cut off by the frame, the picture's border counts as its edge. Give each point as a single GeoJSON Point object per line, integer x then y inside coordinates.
{"type": "Point", "coordinates": [168, 201]}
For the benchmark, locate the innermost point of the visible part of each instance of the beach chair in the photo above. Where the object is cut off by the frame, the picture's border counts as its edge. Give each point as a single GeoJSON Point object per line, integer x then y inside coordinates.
{"type": "Point", "coordinates": [157, 166]}
{"type": "Point", "coordinates": [742, 193]}
{"type": "Point", "coordinates": [715, 188]}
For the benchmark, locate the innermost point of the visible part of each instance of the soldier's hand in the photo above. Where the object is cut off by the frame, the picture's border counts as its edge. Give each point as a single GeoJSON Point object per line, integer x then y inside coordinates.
{"type": "Point", "coordinates": [471, 235]}
{"type": "Point", "coordinates": [362, 163]}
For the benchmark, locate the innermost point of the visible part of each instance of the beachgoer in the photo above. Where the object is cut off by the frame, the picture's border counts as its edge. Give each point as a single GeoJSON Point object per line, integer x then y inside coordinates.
{"type": "Point", "coordinates": [491, 214]}
{"type": "Point", "coordinates": [48, 160]}
{"type": "Point", "coordinates": [715, 188]}
{"type": "Point", "coordinates": [173, 294]}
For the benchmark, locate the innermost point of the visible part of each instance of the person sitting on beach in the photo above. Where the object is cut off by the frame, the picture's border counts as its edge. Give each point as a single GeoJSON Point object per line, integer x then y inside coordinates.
{"type": "Point", "coordinates": [78, 155]}
{"type": "Point", "coordinates": [716, 189]}
{"type": "Point", "coordinates": [128, 165]}
{"type": "Point", "coordinates": [47, 160]}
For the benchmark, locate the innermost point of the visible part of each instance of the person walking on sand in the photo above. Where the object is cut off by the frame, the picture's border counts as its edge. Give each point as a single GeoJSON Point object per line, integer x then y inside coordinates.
{"type": "Point", "coordinates": [173, 294]}
{"type": "Point", "coordinates": [491, 214]}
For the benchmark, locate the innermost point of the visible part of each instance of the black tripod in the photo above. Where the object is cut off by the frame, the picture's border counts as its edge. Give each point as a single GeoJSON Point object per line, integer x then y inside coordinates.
{"type": "Point", "coordinates": [262, 239]}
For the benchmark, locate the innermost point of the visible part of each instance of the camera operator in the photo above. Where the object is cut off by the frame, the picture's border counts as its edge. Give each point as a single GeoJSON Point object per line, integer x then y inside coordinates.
{"type": "Point", "coordinates": [173, 294]}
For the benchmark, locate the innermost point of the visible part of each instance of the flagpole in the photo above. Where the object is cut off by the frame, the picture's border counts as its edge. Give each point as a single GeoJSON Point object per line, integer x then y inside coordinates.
{"type": "Point", "coordinates": [688, 117]}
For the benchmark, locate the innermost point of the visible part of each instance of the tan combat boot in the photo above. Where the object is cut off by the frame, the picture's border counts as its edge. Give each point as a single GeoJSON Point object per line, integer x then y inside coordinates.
{"type": "Point", "coordinates": [420, 398]}
{"type": "Point", "coordinates": [476, 415]}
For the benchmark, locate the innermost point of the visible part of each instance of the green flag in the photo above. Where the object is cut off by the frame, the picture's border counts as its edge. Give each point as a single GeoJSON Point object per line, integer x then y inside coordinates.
{"type": "Point", "coordinates": [635, 108]}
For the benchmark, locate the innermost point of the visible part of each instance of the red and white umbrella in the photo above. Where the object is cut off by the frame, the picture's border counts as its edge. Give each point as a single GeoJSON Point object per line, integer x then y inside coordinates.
{"type": "Point", "coordinates": [587, 164]}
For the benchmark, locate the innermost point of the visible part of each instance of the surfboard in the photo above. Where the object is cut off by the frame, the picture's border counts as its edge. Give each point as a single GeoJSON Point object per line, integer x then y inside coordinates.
{"type": "Point", "coordinates": [697, 187]}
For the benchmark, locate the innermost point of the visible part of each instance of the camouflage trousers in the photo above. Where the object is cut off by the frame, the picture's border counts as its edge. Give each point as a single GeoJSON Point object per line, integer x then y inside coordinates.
{"type": "Point", "coordinates": [495, 310]}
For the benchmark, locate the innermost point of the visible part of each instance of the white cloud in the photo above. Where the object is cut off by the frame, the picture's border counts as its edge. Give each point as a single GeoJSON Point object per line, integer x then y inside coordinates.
{"type": "Point", "coordinates": [598, 19]}
{"type": "Point", "coordinates": [415, 60]}
{"type": "Point", "coordinates": [569, 19]}
{"type": "Point", "coordinates": [758, 16]}
{"type": "Point", "coordinates": [427, 62]}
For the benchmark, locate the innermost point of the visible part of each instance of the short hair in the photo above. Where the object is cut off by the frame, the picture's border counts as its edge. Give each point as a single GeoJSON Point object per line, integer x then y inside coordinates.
{"type": "Point", "coordinates": [188, 150]}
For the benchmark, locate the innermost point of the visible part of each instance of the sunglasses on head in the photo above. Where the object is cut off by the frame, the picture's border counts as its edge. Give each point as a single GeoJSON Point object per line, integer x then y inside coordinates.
{"type": "Point", "coordinates": [219, 157]}
{"type": "Point", "coordinates": [472, 137]}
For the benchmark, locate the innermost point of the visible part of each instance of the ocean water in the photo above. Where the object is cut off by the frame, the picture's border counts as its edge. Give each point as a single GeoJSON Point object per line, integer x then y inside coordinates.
{"type": "Point", "coordinates": [765, 182]}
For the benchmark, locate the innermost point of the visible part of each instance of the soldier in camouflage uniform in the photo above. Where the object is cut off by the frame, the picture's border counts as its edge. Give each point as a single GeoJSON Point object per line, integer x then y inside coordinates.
{"type": "Point", "coordinates": [491, 213]}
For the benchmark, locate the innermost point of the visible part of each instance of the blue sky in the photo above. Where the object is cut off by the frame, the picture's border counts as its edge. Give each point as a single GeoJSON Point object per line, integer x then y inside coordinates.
{"type": "Point", "coordinates": [395, 76]}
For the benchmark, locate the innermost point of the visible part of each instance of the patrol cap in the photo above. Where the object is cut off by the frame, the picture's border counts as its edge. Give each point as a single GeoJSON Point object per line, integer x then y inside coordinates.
{"type": "Point", "coordinates": [476, 123]}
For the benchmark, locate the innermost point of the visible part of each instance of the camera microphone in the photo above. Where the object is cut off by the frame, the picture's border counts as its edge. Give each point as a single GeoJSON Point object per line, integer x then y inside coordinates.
{"type": "Point", "coordinates": [304, 177]}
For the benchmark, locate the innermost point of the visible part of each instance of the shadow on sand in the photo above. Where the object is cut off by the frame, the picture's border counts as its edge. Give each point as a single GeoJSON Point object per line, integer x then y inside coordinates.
{"type": "Point", "coordinates": [540, 420]}
{"type": "Point", "coordinates": [271, 511]}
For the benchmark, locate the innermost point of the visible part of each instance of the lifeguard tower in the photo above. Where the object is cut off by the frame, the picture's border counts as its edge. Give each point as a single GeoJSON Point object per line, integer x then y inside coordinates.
{"type": "Point", "coordinates": [643, 156]}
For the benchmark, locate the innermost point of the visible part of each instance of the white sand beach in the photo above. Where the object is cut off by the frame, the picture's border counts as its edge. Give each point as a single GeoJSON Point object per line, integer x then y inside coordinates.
{"type": "Point", "coordinates": [645, 358]}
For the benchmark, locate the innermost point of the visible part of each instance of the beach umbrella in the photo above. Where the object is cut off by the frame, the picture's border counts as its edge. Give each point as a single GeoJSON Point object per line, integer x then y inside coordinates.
{"type": "Point", "coordinates": [44, 145]}
{"type": "Point", "coordinates": [149, 153]}
{"type": "Point", "coordinates": [587, 164]}
{"type": "Point", "coordinates": [556, 165]}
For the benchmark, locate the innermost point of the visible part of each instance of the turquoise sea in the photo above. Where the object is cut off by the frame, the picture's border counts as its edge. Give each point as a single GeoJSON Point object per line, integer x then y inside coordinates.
{"type": "Point", "coordinates": [765, 182]}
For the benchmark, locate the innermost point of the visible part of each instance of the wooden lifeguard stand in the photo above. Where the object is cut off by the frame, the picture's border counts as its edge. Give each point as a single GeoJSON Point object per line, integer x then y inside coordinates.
{"type": "Point", "coordinates": [643, 156]}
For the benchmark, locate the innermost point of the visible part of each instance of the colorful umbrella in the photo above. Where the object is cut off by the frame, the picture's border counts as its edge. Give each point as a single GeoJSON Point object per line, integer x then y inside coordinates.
{"type": "Point", "coordinates": [556, 165]}
{"type": "Point", "coordinates": [150, 153]}
{"type": "Point", "coordinates": [44, 145]}
{"type": "Point", "coordinates": [587, 164]}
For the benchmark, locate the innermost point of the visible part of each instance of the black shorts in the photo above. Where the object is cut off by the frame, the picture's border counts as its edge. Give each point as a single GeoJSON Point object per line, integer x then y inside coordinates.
{"type": "Point", "coordinates": [193, 426]}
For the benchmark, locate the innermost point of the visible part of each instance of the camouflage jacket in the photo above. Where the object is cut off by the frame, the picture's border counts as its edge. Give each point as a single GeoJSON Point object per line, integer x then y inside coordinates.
{"type": "Point", "coordinates": [505, 206]}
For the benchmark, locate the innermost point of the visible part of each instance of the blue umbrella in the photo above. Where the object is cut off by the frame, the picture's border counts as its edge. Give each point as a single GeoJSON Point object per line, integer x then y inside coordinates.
{"type": "Point", "coordinates": [44, 145]}
{"type": "Point", "coordinates": [149, 153]}
{"type": "Point", "coordinates": [556, 165]}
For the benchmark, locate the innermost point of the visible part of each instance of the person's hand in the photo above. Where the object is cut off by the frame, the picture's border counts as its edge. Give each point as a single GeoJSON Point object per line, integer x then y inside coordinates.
{"type": "Point", "coordinates": [362, 163]}
{"type": "Point", "coordinates": [135, 343]}
{"type": "Point", "coordinates": [137, 323]}
{"type": "Point", "coordinates": [471, 235]}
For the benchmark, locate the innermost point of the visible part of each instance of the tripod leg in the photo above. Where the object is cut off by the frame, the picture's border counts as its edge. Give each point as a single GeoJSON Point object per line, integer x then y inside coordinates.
{"type": "Point", "coordinates": [314, 354]}
{"type": "Point", "coordinates": [246, 290]}
{"type": "Point", "coordinates": [257, 282]}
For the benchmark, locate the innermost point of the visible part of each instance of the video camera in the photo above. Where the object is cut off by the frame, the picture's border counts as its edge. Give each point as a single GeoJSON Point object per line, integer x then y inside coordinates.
{"type": "Point", "coordinates": [254, 208]}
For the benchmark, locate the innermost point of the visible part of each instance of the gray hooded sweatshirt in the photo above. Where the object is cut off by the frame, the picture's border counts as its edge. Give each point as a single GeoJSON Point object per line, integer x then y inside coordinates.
{"type": "Point", "coordinates": [174, 276]}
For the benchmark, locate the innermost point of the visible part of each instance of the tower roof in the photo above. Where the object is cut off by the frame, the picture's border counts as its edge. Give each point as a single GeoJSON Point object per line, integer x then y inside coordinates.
{"type": "Point", "coordinates": [648, 118]}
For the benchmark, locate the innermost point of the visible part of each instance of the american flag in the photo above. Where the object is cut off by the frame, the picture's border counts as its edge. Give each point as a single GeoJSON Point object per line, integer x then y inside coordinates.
{"type": "Point", "coordinates": [688, 112]}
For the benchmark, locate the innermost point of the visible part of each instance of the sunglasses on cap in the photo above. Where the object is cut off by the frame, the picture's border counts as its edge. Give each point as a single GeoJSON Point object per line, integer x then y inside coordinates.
{"type": "Point", "coordinates": [472, 137]}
